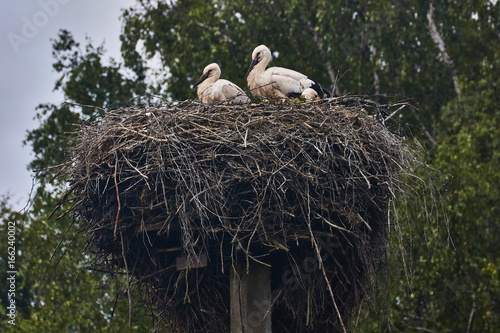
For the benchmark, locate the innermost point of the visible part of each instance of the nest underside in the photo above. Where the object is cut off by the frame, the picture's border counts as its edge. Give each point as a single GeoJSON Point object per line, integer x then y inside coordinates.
{"type": "Point", "coordinates": [302, 188]}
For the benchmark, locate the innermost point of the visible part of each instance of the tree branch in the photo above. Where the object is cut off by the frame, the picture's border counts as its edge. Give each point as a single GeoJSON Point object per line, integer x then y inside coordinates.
{"type": "Point", "coordinates": [376, 78]}
{"type": "Point", "coordinates": [471, 316]}
{"type": "Point", "coordinates": [438, 40]}
{"type": "Point", "coordinates": [423, 329]}
{"type": "Point", "coordinates": [319, 43]}
{"type": "Point", "coordinates": [422, 126]}
{"type": "Point", "coordinates": [216, 32]}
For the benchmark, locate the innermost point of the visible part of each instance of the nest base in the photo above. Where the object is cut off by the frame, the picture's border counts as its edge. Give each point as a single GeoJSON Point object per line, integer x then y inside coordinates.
{"type": "Point", "coordinates": [179, 196]}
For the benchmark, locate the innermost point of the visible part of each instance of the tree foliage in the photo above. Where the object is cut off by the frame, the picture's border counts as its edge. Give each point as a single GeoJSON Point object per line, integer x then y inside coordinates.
{"type": "Point", "coordinates": [384, 49]}
{"type": "Point", "coordinates": [462, 289]}
{"type": "Point", "coordinates": [57, 291]}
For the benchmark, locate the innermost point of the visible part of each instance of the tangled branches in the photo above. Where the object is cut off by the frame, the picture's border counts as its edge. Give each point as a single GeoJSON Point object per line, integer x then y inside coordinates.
{"type": "Point", "coordinates": [302, 188]}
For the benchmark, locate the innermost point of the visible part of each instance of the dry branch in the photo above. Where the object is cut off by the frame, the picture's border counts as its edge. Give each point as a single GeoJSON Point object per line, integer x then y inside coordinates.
{"type": "Point", "coordinates": [439, 41]}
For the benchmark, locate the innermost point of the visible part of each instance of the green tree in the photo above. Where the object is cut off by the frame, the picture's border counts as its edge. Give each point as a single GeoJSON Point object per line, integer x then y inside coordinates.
{"type": "Point", "coordinates": [453, 282]}
{"type": "Point", "coordinates": [457, 288]}
{"type": "Point", "coordinates": [89, 88]}
{"type": "Point", "coordinates": [57, 291]}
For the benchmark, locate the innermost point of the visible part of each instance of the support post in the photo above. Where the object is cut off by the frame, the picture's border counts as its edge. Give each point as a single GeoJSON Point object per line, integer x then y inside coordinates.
{"type": "Point", "coordinates": [250, 299]}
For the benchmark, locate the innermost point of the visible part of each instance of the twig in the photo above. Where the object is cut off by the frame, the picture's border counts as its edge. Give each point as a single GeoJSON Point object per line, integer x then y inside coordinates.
{"type": "Point", "coordinates": [85, 106]}
{"type": "Point", "coordinates": [422, 126]}
{"type": "Point", "coordinates": [320, 260]}
{"type": "Point", "coordinates": [423, 329]}
{"type": "Point", "coordinates": [117, 197]}
{"type": "Point", "coordinates": [394, 113]}
{"type": "Point", "coordinates": [129, 294]}
{"type": "Point", "coordinates": [471, 316]}
{"type": "Point", "coordinates": [328, 285]}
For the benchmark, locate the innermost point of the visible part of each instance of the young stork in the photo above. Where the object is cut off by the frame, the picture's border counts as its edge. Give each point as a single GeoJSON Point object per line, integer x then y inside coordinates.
{"type": "Point", "coordinates": [277, 81]}
{"type": "Point", "coordinates": [310, 94]}
{"type": "Point", "coordinates": [212, 90]}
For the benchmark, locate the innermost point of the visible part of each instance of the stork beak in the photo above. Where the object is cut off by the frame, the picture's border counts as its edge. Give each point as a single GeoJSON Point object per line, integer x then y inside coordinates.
{"type": "Point", "coordinates": [252, 65]}
{"type": "Point", "coordinates": [201, 79]}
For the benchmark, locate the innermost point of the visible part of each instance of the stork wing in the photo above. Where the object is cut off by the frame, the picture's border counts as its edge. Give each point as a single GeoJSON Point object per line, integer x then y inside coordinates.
{"type": "Point", "coordinates": [230, 91]}
{"type": "Point", "coordinates": [288, 81]}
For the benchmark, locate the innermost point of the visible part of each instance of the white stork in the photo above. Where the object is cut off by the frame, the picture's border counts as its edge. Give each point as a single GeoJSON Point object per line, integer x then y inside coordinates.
{"type": "Point", "coordinates": [277, 81]}
{"type": "Point", "coordinates": [212, 90]}
{"type": "Point", "coordinates": [310, 94]}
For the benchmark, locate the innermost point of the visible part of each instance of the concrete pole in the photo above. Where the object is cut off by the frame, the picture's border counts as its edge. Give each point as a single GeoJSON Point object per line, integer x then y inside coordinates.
{"type": "Point", "coordinates": [250, 299]}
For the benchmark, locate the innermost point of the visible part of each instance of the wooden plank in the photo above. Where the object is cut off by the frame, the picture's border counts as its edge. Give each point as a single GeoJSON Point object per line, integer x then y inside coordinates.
{"type": "Point", "coordinates": [171, 249]}
{"type": "Point", "coordinates": [251, 299]}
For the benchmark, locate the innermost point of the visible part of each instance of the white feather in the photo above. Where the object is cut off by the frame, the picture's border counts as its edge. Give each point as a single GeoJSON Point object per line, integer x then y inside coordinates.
{"type": "Point", "coordinates": [274, 81]}
{"type": "Point", "coordinates": [212, 90]}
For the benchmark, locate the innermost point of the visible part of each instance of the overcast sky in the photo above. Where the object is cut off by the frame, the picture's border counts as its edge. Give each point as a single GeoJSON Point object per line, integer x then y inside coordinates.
{"type": "Point", "coordinates": [26, 75]}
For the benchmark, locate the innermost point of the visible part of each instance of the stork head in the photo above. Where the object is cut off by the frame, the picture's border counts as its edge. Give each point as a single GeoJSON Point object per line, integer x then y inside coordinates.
{"type": "Point", "coordinates": [212, 71]}
{"type": "Point", "coordinates": [310, 94]}
{"type": "Point", "coordinates": [261, 54]}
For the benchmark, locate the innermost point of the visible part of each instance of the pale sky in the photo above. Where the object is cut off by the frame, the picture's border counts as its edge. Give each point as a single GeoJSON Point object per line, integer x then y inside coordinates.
{"type": "Point", "coordinates": [26, 75]}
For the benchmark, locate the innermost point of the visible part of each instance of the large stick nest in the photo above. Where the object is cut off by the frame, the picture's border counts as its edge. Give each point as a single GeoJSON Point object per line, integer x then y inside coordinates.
{"type": "Point", "coordinates": [304, 188]}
